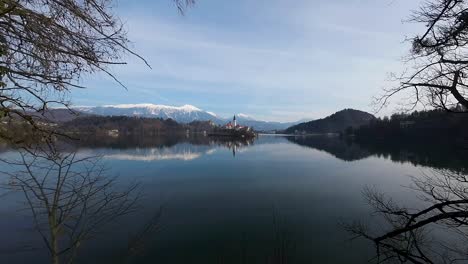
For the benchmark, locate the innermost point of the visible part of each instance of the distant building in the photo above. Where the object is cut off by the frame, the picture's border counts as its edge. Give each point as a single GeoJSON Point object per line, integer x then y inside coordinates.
{"type": "Point", "coordinates": [113, 133]}
{"type": "Point", "coordinates": [229, 126]}
{"type": "Point", "coordinates": [233, 125]}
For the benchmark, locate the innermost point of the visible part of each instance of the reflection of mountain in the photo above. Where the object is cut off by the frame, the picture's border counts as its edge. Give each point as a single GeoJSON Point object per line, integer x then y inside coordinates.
{"type": "Point", "coordinates": [182, 147]}
{"type": "Point", "coordinates": [160, 148]}
{"type": "Point", "coordinates": [341, 149]}
{"type": "Point", "coordinates": [124, 142]}
{"type": "Point", "coordinates": [444, 156]}
{"type": "Point", "coordinates": [153, 157]}
{"type": "Point", "coordinates": [178, 152]}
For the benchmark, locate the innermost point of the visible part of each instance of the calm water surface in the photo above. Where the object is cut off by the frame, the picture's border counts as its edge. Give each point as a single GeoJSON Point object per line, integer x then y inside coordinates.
{"type": "Point", "coordinates": [233, 202]}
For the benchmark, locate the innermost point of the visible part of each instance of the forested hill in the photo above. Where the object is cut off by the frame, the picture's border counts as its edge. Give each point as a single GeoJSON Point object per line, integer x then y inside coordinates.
{"type": "Point", "coordinates": [334, 123]}
{"type": "Point", "coordinates": [124, 125]}
{"type": "Point", "coordinates": [420, 125]}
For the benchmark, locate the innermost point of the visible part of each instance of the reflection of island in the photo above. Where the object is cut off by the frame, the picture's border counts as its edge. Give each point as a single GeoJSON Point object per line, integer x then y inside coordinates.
{"type": "Point", "coordinates": [234, 145]}
{"type": "Point", "coordinates": [175, 147]}
{"type": "Point", "coordinates": [444, 156]}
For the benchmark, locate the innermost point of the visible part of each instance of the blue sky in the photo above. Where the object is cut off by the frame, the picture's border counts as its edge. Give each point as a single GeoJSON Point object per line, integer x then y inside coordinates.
{"type": "Point", "coordinates": [274, 60]}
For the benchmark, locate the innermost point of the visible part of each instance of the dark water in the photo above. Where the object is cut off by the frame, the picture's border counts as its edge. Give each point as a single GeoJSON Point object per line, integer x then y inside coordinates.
{"type": "Point", "coordinates": [271, 200]}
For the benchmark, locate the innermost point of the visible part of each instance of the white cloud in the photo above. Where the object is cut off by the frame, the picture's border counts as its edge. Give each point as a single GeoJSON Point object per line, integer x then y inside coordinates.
{"type": "Point", "coordinates": [301, 58]}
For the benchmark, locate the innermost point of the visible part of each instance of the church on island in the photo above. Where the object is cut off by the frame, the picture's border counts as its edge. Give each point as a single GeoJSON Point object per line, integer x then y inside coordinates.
{"type": "Point", "coordinates": [233, 125]}
{"type": "Point", "coordinates": [233, 129]}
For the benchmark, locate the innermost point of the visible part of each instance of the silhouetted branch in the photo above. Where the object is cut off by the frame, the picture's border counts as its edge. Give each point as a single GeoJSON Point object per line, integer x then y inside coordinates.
{"type": "Point", "coordinates": [406, 240]}
{"type": "Point", "coordinates": [69, 197]}
{"type": "Point", "coordinates": [437, 62]}
{"type": "Point", "coordinates": [45, 48]}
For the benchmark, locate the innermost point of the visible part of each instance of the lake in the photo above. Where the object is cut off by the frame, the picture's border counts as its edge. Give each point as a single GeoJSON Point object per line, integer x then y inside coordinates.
{"type": "Point", "coordinates": [274, 199]}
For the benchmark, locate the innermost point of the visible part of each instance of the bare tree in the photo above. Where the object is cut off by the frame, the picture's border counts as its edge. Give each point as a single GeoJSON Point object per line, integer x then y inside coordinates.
{"type": "Point", "coordinates": [438, 61]}
{"type": "Point", "coordinates": [70, 198]}
{"type": "Point", "coordinates": [46, 46]}
{"type": "Point", "coordinates": [437, 233]}
{"type": "Point", "coordinates": [438, 78]}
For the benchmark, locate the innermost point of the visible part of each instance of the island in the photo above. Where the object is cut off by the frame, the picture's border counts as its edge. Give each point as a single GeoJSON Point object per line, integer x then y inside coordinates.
{"type": "Point", "coordinates": [234, 130]}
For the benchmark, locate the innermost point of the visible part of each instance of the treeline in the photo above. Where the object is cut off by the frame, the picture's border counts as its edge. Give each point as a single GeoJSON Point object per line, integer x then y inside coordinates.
{"type": "Point", "coordinates": [436, 125]}
{"type": "Point", "coordinates": [19, 132]}
{"type": "Point", "coordinates": [334, 123]}
{"type": "Point", "coordinates": [123, 125]}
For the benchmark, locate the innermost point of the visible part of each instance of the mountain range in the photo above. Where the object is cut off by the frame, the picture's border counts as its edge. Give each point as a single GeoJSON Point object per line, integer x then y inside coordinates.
{"type": "Point", "coordinates": [181, 114]}
{"type": "Point", "coordinates": [185, 114]}
{"type": "Point", "coordinates": [336, 122]}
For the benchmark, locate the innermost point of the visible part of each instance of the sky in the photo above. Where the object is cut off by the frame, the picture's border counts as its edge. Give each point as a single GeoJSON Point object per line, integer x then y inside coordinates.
{"type": "Point", "coordinates": [275, 60]}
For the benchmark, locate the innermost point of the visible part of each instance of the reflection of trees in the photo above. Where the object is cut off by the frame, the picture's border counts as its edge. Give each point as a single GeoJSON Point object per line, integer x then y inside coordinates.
{"type": "Point", "coordinates": [444, 156]}
{"type": "Point", "coordinates": [125, 142]}
{"type": "Point", "coordinates": [339, 148]}
{"type": "Point", "coordinates": [441, 155]}
{"type": "Point", "coordinates": [70, 198]}
{"type": "Point", "coordinates": [172, 143]}
{"type": "Point", "coordinates": [436, 233]}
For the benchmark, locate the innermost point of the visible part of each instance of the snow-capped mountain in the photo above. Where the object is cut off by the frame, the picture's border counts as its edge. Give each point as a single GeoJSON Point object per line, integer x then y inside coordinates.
{"type": "Point", "coordinates": [259, 125]}
{"type": "Point", "coordinates": [181, 114]}
{"type": "Point", "coordinates": [242, 116]}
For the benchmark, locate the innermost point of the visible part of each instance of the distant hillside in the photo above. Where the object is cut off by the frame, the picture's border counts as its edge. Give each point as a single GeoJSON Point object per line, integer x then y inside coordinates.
{"type": "Point", "coordinates": [337, 122]}
{"type": "Point", "coordinates": [425, 126]}
{"type": "Point", "coordinates": [124, 125]}
{"type": "Point", "coordinates": [181, 114]}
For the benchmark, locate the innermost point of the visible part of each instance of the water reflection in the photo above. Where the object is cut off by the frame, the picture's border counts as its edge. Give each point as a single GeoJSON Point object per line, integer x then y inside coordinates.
{"type": "Point", "coordinates": [193, 147]}
{"type": "Point", "coordinates": [161, 148]}
{"type": "Point", "coordinates": [125, 142]}
{"type": "Point", "coordinates": [435, 232]}
{"type": "Point", "coordinates": [441, 155]}
{"type": "Point", "coordinates": [186, 148]}
{"type": "Point", "coordinates": [69, 196]}
{"type": "Point", "coordinates": [179, 152]}
{"type": "Point", "coordinates": [341, 149]}
{"type": "Point", "coordinates": [217, 207]}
